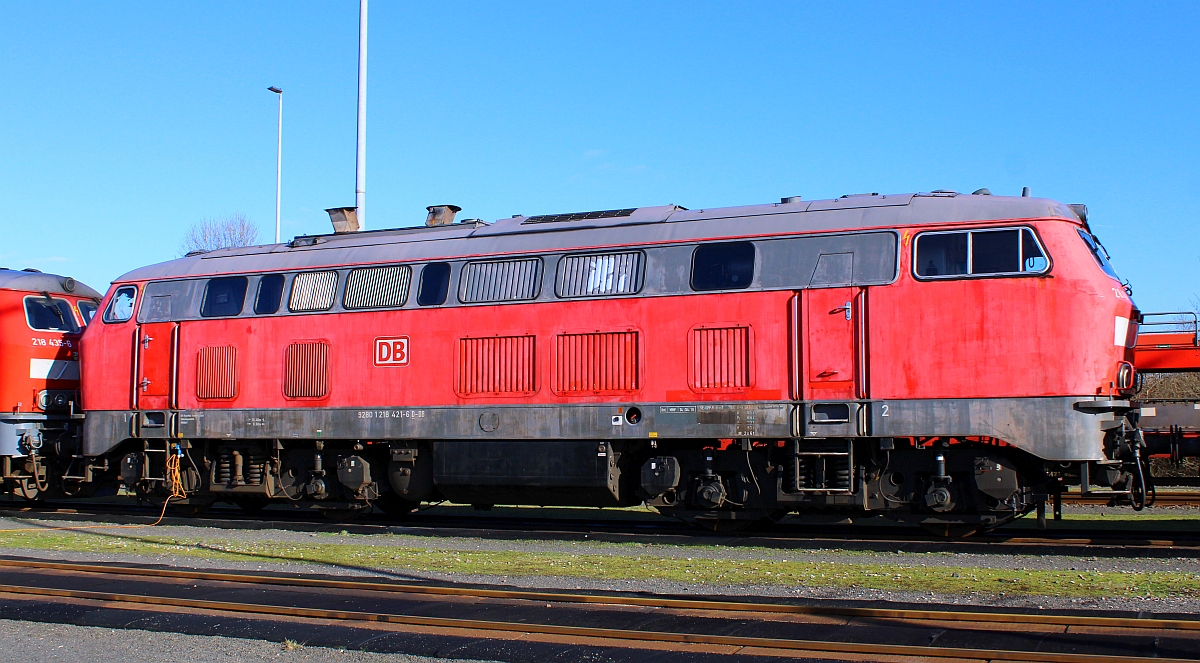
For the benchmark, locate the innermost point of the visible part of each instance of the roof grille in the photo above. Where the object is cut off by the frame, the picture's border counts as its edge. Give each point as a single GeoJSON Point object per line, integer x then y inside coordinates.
{"type": "Point", "coordinates": [580, 216]}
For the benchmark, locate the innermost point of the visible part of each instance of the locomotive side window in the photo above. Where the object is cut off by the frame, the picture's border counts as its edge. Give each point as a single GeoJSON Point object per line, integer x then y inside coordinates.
{"type": "Point", "coordinates": [313, 291]}
{"type": "Point", "coordinates": [1033, 259]}
{"type": "Point", "coordinates": [120, 308]}
{"type": "Point", "coordinates": [979, 253]}
{"type": "Point", "coordinates": [377, 287]}
{"type": "Point", "coordinates": [724, 266]}
{"type": "Point", "coordinates": [87, 311]}
{"type": "Point", "coordinates": [995, 252]}
{"type": "Point", "coordinates": [943, 254]}
{"type": "Point", "coordinates": [435, 284]}
{"type": "Point", "coordinates": [46, 314]}
{"type": "Point", "coordinates": [500, 280]}
{"type": "Point", "coordinates": [600, 274]}
{"type": "Point", "coordinates": [223, 297]}
{"type": "Point", "coordinates": [270, 293]}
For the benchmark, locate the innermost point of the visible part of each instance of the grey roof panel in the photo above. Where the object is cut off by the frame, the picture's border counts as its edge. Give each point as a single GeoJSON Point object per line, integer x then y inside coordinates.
{"type": "Point", "coordinates": [645, 225]}
{"type": "Point", "coordinates": [12, 279]}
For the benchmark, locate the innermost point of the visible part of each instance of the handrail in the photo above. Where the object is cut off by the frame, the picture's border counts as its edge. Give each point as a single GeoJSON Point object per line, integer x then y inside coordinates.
{"type": "Point", "coordinates": [1184, 325]}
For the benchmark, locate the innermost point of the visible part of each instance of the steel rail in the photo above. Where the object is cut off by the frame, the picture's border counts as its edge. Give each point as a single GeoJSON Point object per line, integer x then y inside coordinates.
{"type": "Point", "coordinates": [778, 644]}
{"type": "Point", "coordinates": [859, 534]}
{"type": "Point", "coordinates": [906, 614]}
{"type": "Point", "coordinates": [1161, 499]}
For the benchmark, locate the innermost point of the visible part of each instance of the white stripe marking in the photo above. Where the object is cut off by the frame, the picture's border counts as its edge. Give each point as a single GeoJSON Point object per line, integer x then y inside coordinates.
{"type": "Point", "coordinates": [53, 369]}
{"type": "Point", "coordinates": [1121, 333]}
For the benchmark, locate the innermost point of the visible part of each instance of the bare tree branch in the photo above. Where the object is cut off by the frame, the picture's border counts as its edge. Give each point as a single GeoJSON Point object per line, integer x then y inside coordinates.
{"type": "Point", "coordinates": [220, 233]}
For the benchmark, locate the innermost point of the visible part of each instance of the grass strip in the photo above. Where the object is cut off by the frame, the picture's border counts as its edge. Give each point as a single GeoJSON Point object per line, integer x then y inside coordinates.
{"type": "Point", "coordinates": [743, 572]}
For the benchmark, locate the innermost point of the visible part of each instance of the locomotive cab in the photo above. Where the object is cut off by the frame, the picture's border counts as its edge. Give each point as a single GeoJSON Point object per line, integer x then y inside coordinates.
{"type": "Point", "coordinates": [42, 317]}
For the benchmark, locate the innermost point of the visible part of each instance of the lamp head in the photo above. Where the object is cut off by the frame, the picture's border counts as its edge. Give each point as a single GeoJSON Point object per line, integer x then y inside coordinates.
{"type": "Point", "coordinates": [275, 90]}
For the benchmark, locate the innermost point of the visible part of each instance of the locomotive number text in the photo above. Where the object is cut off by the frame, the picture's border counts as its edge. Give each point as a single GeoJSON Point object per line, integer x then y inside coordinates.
{"type": "Point", "coordinates": [391, 351]}
{"type": "Point", "coordinates": [51, 343]}
{"type": "Point", "coordinates": [391, 414]}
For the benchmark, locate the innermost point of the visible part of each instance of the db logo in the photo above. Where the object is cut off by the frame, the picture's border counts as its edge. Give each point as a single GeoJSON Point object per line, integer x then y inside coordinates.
{"type": "Point", "coordinates": [391, 351]}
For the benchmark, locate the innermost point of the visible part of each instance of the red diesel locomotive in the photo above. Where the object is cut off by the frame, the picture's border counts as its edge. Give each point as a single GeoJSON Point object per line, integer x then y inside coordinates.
{"type": "Point", "coordinates": [41, 319]}
{"type": "Point", "coordinates": [940, 358]}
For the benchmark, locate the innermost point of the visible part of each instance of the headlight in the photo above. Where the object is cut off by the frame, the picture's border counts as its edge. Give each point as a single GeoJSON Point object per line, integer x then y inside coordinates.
{"type": "Point", "coordinates": [1125, 374]}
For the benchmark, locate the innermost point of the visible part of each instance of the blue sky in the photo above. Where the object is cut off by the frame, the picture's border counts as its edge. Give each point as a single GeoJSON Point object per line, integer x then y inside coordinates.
{"type": "Point", "coordinates": [121, 124]}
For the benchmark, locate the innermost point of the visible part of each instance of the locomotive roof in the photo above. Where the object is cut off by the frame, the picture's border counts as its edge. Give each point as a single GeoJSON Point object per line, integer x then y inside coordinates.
{"type": "Point", "coordinates": [643, 225]}
{"type": "Point", "coordinates": [29, 281]}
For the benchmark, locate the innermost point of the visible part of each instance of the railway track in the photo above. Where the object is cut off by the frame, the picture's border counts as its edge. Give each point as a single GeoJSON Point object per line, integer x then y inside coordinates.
{"type": "Point", "coordinates": [1164, 498]}
{"type": "Point", "coordinates": [1101, 540]}
{"type": "Point", "coordinates": [685, 625]}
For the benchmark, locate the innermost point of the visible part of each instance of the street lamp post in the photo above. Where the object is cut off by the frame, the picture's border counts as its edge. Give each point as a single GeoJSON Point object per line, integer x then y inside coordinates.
{"type": "Point", "coordinates": [278, 161]}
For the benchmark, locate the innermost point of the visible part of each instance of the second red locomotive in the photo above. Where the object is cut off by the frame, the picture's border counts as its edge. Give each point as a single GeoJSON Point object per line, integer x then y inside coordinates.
{"type": "Point", "coordinates": [41, 419]}
{"type": "Point", "coordinates": [941, 358]}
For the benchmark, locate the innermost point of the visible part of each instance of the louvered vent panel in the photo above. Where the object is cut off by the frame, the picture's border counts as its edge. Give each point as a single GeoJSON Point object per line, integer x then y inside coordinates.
{"type": "Point", "coordinates": [305, 374]}
{"type": "Point", "coordinates": [216, 372]}
{"type": "Point", "coordinates": [721, 358]}
{"type": "Point", "coordinates": [600, 274]}
{"type": "Point", "coordinates": [377, 287]}
{"type": "Point", "coordinates": [497, 365]}
{"type": "Point", "coordinates": [313, 291]}
{"type": "Point", "coordinates": [604, 361]}
{"type": "Point", "coordinates": [500, 280]}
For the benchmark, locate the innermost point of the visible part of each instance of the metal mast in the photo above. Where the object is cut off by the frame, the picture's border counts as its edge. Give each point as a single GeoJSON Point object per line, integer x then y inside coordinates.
{"type": "Point", "coordinates": [360, 180]}
{"type": "Point", "coordinates": [278, 161]}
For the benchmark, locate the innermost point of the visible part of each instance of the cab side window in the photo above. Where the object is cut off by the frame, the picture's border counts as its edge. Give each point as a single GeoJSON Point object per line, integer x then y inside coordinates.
{"type": "Point", "coordinates": [87, 311]}
{"type": "Point", "coordinates": [120, 308]}
{"type": "Point", "coordinates": [1005, 251]}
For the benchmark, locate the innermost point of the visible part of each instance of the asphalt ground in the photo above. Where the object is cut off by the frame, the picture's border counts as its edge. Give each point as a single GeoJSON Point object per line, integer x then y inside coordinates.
{"type": "Point", "coordinates": [47, 642]}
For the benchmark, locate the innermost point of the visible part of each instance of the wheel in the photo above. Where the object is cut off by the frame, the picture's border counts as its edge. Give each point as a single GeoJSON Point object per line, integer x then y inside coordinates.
{"type": "Point", "coordinates": [191, 509]}
{"type": "Point", "coordinates": [251, 505]}
{"type": "Point", "coordinates": [950, 530]}
{"type": "Point", "coordinates": [28, 489]}
{"type": "Point", "coordinates": [395, 506]}
{"type": "Point", "coordinates": [345, 515]}
{"type": "Point", "coordinates": [725, 521]}
{"type": "Point", "coordinates": [80, 489]}
{"type": "Point", "coordinates": [722, 525]}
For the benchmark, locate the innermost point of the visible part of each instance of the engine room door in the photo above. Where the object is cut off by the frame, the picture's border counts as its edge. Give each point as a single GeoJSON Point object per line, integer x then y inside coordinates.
{"type": "Point", "coordinates": [832, 331]}
{"type": "Point", "coordinates": [154, 386]}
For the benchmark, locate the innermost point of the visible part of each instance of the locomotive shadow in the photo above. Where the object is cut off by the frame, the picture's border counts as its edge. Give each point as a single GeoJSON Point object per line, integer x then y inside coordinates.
{"type": "Point", "coordinates": [224, 552]}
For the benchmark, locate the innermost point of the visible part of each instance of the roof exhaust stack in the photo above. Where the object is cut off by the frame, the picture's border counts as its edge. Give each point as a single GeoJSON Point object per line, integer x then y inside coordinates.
{"type": "Point", "coordinates": [344, 219]}
{"type": "Point", "coordinates": [441, 215]}
{"type": "Point", "coordinates": [1024, 192]}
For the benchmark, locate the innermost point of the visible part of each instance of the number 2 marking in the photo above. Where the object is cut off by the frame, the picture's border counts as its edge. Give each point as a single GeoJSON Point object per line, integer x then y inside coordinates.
{"type": "Point", "coordinates": [885, 410]}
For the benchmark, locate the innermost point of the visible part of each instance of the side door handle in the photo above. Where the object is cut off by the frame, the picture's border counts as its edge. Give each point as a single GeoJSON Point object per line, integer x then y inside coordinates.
{"type": "Point", "coordinates": [847, 308]}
